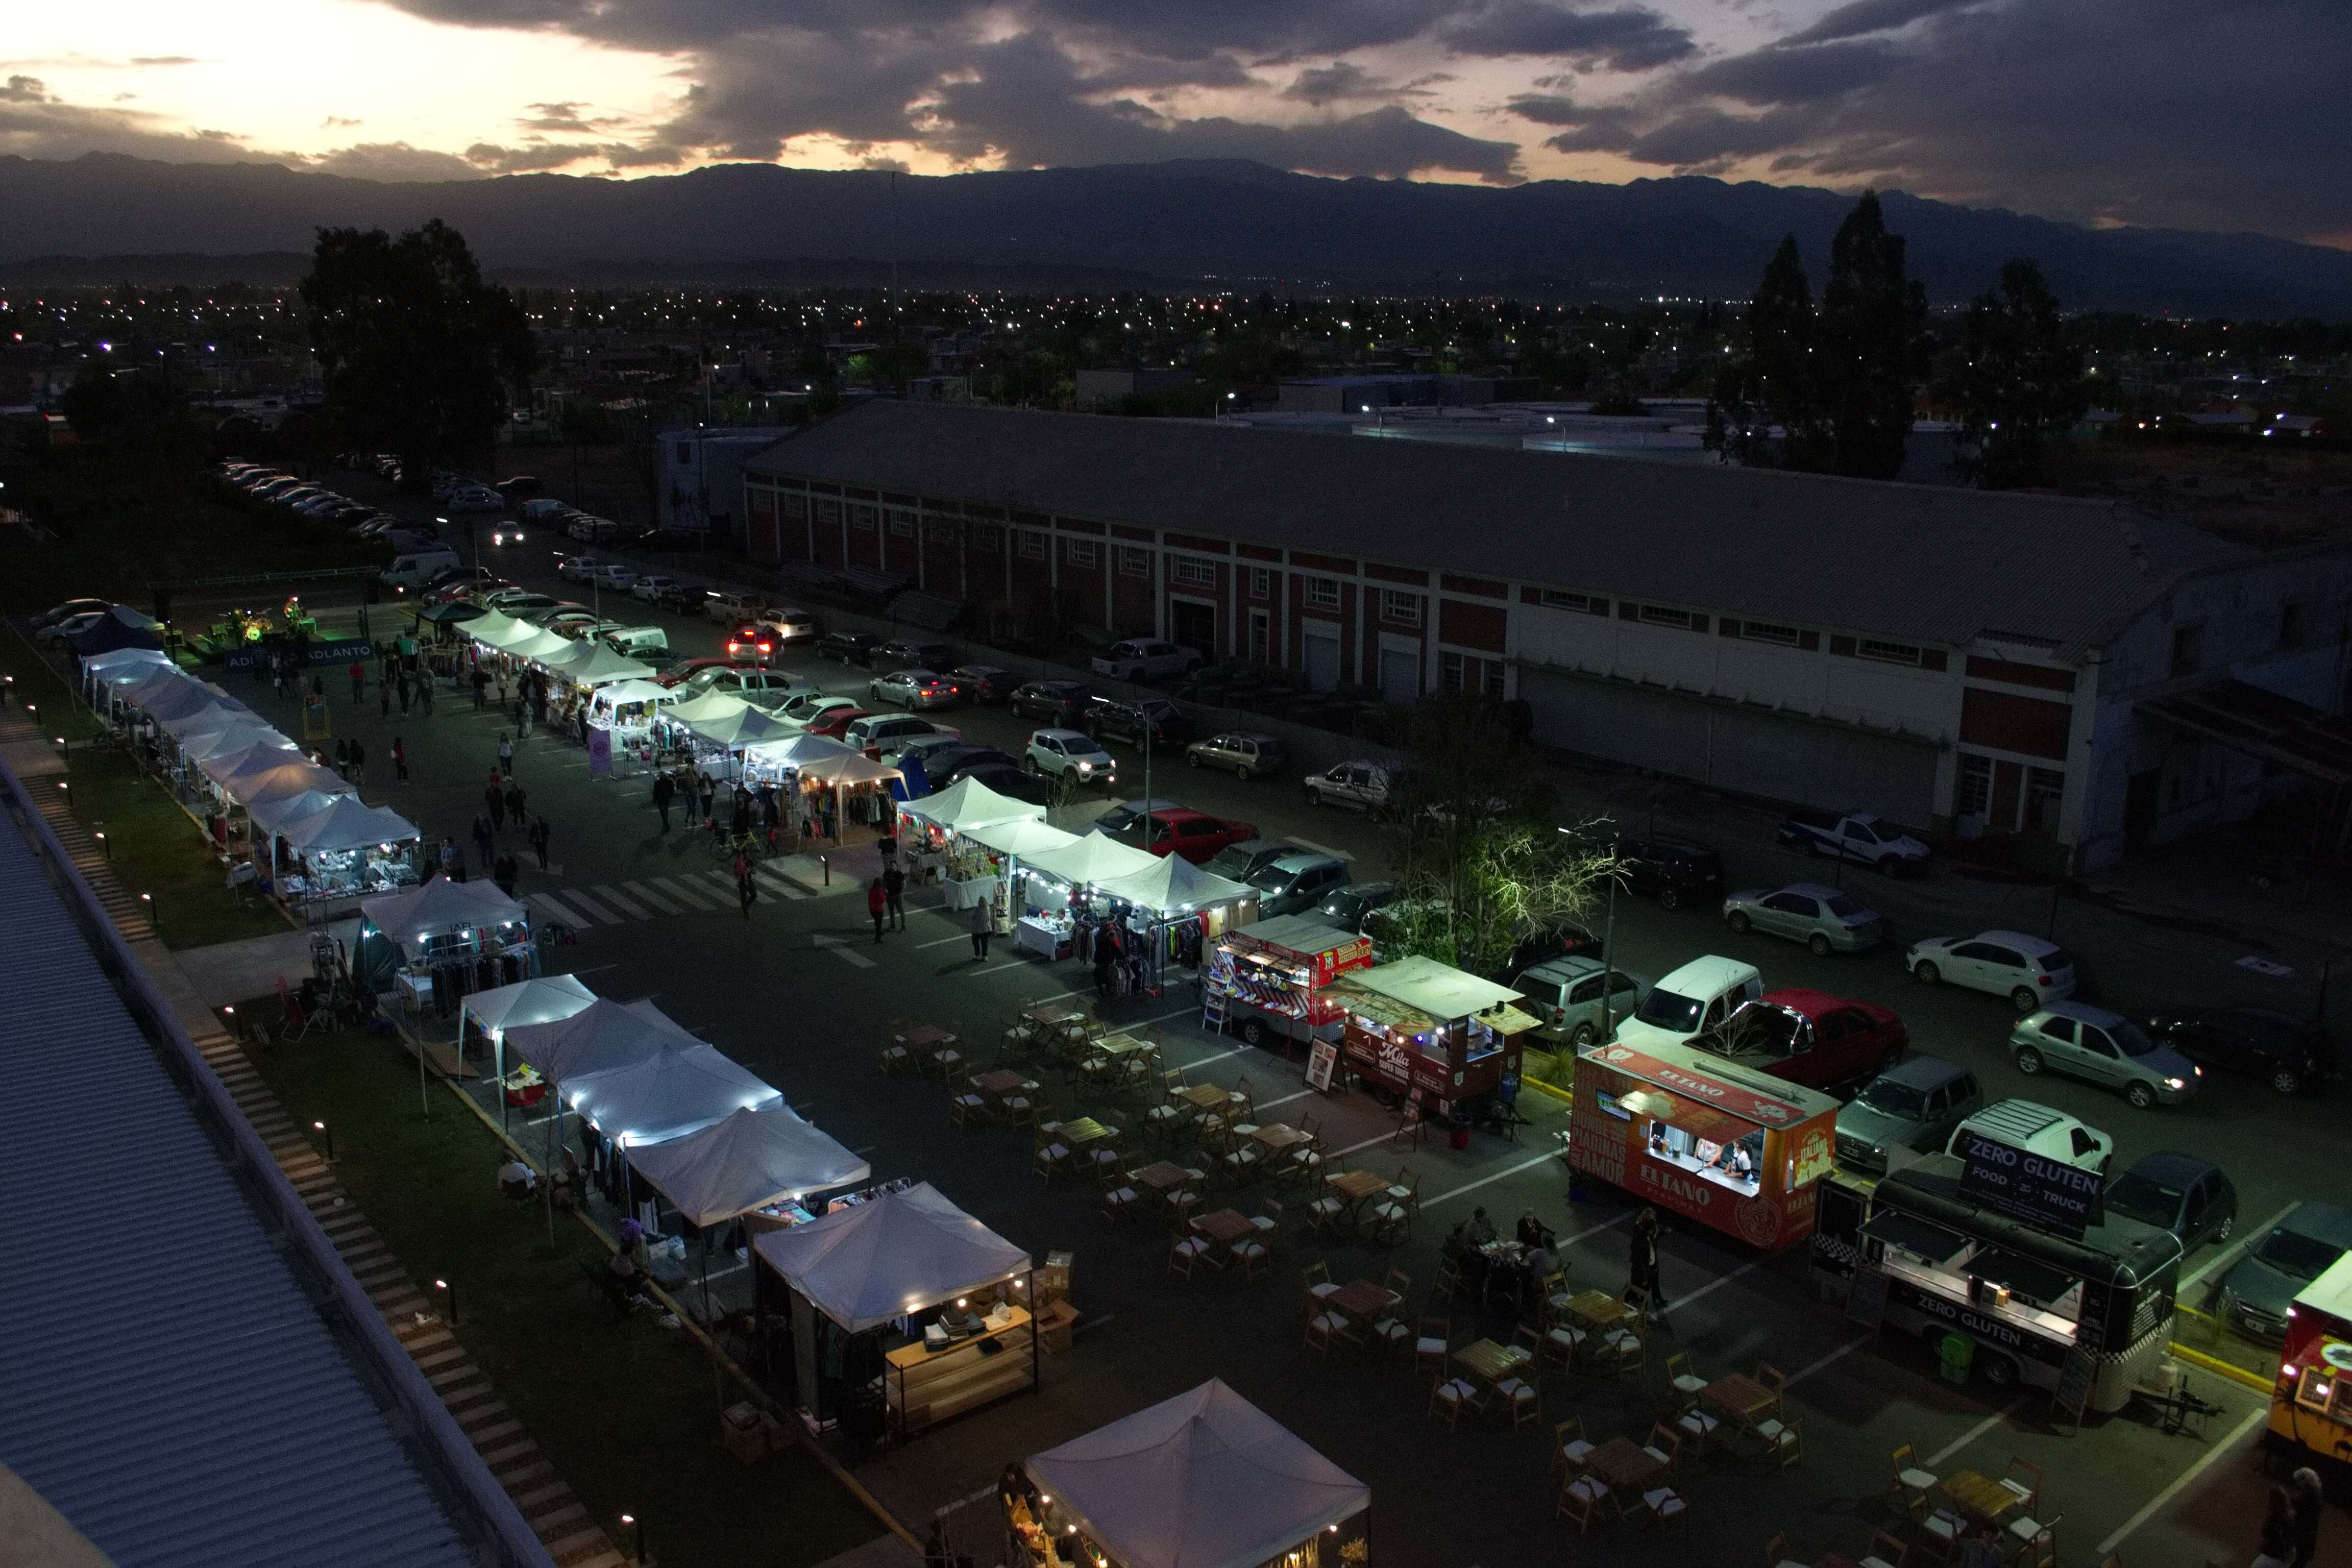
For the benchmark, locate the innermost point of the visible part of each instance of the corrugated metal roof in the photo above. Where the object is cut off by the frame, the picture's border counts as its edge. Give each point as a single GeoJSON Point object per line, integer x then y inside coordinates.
{"type": "Point", "coordinates": [165, 1380]}
{"type": "Point", "coordinates": [1916, 562]}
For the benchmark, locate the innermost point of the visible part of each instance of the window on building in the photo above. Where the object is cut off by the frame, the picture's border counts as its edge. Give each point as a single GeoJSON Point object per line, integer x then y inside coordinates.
{"type": "Point", "coordinates": [1400, 607]}
{"type": "Point", "coordinates": [1660, 615]}
{"type": "Point", "coordinates": [1451, 671]}
{"type": "Point", "coordinates": [1033, 544]}
{"type": "Point", "coordinates": [1972, 795]}
{"type": "Point", "coordinates": [1764, 631]}
{"type": "Point", "coordinates": [1583, 604]}
{"type": "Point", "coordinates": [902, 523]}
{"type": "Point", "coordinates": [864, 519]}
{"type": "Point", "coordinates": [796, 507]}
{"type": "Point", "coordinates": [1323, 593]}
{"type": "Point", "coordinates": [1260, 583]}
{"type": "Point", "coordinates": [685, 453]}
{"type": "Point", "coordinates": [2045, 791]}
{"type": "Point", "coordinates": [1194, 572]}
{"type": "Point", "coordinates": [2188, 649]}
{"type": "Point", "coordinates": [985, 535]}
{"type": "Point", "coordinates": [939, 532]}
{"type": "Point", "coordinates": [828, 512]}
{"type": "Point", "coordinates": [2295, 625]}
{"type": "Point", "coordinates": [1135, 561]}
{"type": "Point", "coordinates": [1888, 652]}
{"type": "Point", "coordinates": [1494, 671]}
{"type": "Point", "coordinates": [1084, 551]}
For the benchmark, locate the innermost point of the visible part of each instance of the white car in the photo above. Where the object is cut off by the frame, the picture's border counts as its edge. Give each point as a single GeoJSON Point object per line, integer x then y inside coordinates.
{"type": "Point", "coordinates": [613, 574]}
{"type": "Point", "coordinates": [475, 500]}
{"type": "Point", "coordinates": [651, 587]}
{"type": "Point", "coordinates": [2030, 972]}
{"type": "Point", "coordinates": [1055, 752]}
{"type": "Point", "coordinates": [1362, 784]}
{"type": "Point", "coordinates": [912, 688]}
{"type": "Point", "coordinates": [878, 735]}
{"type": "Point", "coordinates": [579, 568]}
{"type": "Point", "coordinates": [1141, 658]}
{"type": "Point", "coordinates": [789, 626]}
{"type": "Point", "coordinates": [810, 706]}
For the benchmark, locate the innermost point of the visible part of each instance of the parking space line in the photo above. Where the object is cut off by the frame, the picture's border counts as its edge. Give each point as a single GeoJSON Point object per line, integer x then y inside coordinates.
{"type": "Point", "coordinates": [1972, 1433]}
{"type": "Point", "coordinates": [775, 882]}
{"type": "Point", "coordinates": [1321, 849]}
{"type": "Point", "coordinates": [693, 896]}
{"type": "Point", "coordinates": [1719, 1281]}
{"type": "Point", "coordinates": [549, 902]}
{"type": "Point", "coordinates": [1527, 1164]}
{"type": "Point", "coordinates": [621, 901]}
{"type": "Point", "coordinates": [2227, 1253]}
{"type": "Point", "coordinates": [943, 942]}
{"type": "Point", "coordinates": [592, 906]}
{"type": "Point", "coordinates": [1807, 1371]}
{"type": "Point", "coordinates": [649, 896]}
{"type": "Point", "coordinates": [1367, 1144]}
{"type": "Point", "coordinates": [1596, 1230]}
{"type": "Point", "coordinates": [1180, 1013]}
{"type": "Point", "coordinates": [2156, 1503]}
{"type": "Point", "coordinates": [1000, 968]}
{"type": "Point", "coordinates": [1286, 1100]}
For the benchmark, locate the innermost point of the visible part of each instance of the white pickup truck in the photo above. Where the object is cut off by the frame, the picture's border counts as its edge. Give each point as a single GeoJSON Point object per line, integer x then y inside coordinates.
{"type": "Point", "coordinates": [1145, 658]}
{"type": "Point", "coordinates": [1855, 836]}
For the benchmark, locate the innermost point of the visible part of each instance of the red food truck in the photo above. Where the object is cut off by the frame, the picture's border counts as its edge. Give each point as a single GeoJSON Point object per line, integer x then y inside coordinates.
{"type": "Point", "coordinates": [2311, 1404]}
{"type": "Point", "coordinates": [1723, 1144]}
{"type": "Point", "coordinates": [1426, 1032]}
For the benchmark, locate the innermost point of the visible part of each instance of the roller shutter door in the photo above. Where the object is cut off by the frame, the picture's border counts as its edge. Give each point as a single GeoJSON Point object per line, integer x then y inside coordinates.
{"type": "Point", "coordinates": [1622, 723]}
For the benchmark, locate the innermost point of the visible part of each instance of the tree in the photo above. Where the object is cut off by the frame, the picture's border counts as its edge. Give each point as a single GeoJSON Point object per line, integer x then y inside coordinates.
{"type": "Point", "coordinates": [136, 427]}
{"type": "Point", "coordinates": [1774, 379]}
{"type": "Point", "coordinates": [1483, 867]}
{"type": "Point", "coordinates": [1873, 332]}
{"type": "Point", "coordinates": [420, 353]}
{"type": "Point", "coordinates": [2018, 381]}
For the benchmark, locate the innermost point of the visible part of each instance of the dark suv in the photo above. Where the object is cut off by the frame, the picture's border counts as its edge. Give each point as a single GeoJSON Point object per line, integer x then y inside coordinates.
{"type": "Point", "coordinates": [848, 648]}
{"type": "Point", "coordinates": [1116, 719]}
{"type": "Point", "coordinates": [907, 653]}
{"type": "Point", "coordinates": [1912, 1106]}
{"type": "Point", "coordinates": [1061, 703]}
{"type": "Point", "coordinates": [2291, 1054]}
{"type": "Point", "coordinates": [1674, 871]}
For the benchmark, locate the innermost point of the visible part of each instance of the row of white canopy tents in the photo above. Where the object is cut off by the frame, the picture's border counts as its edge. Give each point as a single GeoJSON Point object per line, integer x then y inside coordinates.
{"type": "Point", "coordinates": [310, 834]}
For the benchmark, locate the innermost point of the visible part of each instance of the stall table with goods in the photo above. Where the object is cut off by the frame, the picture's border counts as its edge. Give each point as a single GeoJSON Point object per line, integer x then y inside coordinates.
{"type": "Point", "coordinates": [439, 943]}
{"type": "Point", "coordinates": [343, 850]}
{"type": "Point", "coordinates": [485, 1017]}
{"type": "Point", "coordinates": [1722, 1144]}
{"type": "Point", "coordinates": [1420, 1028]}
{"type": "Point", "coordinates": [1273, 976]}
{"type": "Point", "coordinates": [1169, 914]}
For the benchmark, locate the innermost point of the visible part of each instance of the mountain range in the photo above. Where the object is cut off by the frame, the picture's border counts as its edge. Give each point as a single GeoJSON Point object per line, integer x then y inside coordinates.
{"type": "Point", "coordinates": [105, 217]}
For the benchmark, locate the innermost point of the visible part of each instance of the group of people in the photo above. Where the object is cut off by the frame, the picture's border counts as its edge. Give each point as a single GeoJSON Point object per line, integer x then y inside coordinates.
{"type": "Point", "coordinates": [2290, 1537]}
{"type": "Point", "coordinates": [1521, 1276]}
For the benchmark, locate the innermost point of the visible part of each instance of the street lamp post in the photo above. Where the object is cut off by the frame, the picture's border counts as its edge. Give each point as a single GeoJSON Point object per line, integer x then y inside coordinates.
{"type": "Point", "coordinates": [445, 1286]}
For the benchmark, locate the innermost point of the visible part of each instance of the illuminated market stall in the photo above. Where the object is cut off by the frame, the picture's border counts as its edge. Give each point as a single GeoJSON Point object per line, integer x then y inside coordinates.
{"type": "Point", "coordinates": [438, 944]}
{"type": "Point", "coordinates": [1273, 977]}
{"type": "Point", "coordinates": [1057, 915]}
{"type": "Point", "coordinates": [339, 852]}
{"type": "Point", "coordinates": [485, 1017]}
{"type": "Point", "coordinates": [1173, 911]}
{"type": "Point", "coordinates": [1430, 1033]}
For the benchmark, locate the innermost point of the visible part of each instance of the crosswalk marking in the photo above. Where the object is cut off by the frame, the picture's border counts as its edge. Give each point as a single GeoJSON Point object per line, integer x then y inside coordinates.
{"type": "Point", "coordinates": [649, 896]}
{"type": "Point", "coordinates": [621, 901]}
{"type": "Point", "coordinates": [549, 904]}
{"type": "Point", "coordinates": [576, 896]}
{"type": "Point", "coordinates": [777, 884]}
{"type": "Point", "coordinates": [691, 896]}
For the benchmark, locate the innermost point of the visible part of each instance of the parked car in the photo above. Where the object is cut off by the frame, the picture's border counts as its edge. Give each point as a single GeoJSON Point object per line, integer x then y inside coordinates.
{"type": "Point", "coordinates": [1193, 836]}
{"type": "Point", "coordinates": [749, 643]}
{"type": "Point", "coordinates": [1565, 995]}
{"type": "Point", "coordinates": [681, 671]}
{"type": "Point", "coordinates": [638, 642]}
{"type": "Point", "coordinates": [519, 602]}
{"type": "Point", "coordinates": [1363, 784]}
{"type": "Point", "coordinates": [68, 610]}
{"type": "Point", "coordinates": [414, 568]}
{"type": "Point", "coordinates": [1913, 1106]}
{"type": "Point", "coordinates": [1071, 754]}
{"type": "Point", "coordinates": [682, 597]}
{"type": "Point", "coordinates": [543, 509]}
{"type": "Point", "coordinates": [1857, 836]}
{"type": "Point", "coordinates": [2105, 1048]}
{"type": "Point", "coordinates": [912, 688]}
{"type": "Point", "coordinates": [941, 752]}
{"type": "Point", "coordinates": [1822, 918]}
{"type": "Point", "coordinates": [1294, 882]}
{"type": "Point", "coordinates": [1061, 703]}
{"type": "Point", "coordinates": [1145, 658]}
{"type": "Point", "coordinates": [1674, 871]}
{"type": "Point", "coordinates": [728, 608]}
{"type": "Point", "coordinates": [877, 733]}
{"type": "Point", "coordinates": [912, 653]}
{"type": "Point", "coordinates": [2027, 970]}
{"type": "Point", "coordinates": [1355, 904]}
{"type": "Point", "coordinates": [1124, 818]}
{"type": "Point", "coordinates": [520, 489]}
{"type": "Point", "coordinates": [1006, 779]}
{"type": "Point", "coordinates": [2255, 1294]}
{"type": "Point", "coordinates": [765, 688]}
{"type": "Point", "coordinates": [2292, 1055]}
{"type": "Point", "coordinates": [2037, 1129]}
{"type": "Point", "coordinates": [1240, 862]}
{"type": "Point", "coordinates": [788, 625]}
{"type": "Point", "coordinates": [650, 588]}
{"type": "Point", "coordinates": [977, 683]}
{"type": "Point", "coordinates": [848, 648]}
{"type": "Point", "coordinates": [1245, 754]}
{"type": "Point", "coordinates": [1810, 1038]}
{"type": "Point", "coordinates": [1151, 719]}
{"type": "Point", "coordinates": [2179, 1193]}
{"type": "Point", "coordinates": [835, 722]}
{"type": "Point", "coordinates": [475, 499]}
{"type": "Point", "coordinates": [809, 706]}
{"type": "Point", "coordinates": [1700, 995]}
{"type": "Point", "coordinates": [579, 568]}
{"type": "Point", "coordinates": [614, 574]}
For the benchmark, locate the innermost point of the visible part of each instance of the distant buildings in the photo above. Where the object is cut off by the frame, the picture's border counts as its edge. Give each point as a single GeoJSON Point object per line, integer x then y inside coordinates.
{"type": "Point", "coordinates": [701, 484]}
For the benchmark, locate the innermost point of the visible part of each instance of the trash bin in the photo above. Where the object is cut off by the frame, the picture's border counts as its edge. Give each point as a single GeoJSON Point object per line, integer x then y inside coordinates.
{"type": "Point", "coordinates": [1959, 1352]}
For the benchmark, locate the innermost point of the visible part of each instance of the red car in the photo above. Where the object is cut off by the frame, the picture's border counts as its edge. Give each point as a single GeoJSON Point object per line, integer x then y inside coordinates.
{"type": "Point", "coordinates": [834, 721]}
{"type": "Point", "coordinates": [1811, 1038]}
{"type": "Point", "coordinates": [751, 644]}
{"type": "Point", "coordinates": [1194, 834]}
{"type": "Point", "coordinates": [685, 670]}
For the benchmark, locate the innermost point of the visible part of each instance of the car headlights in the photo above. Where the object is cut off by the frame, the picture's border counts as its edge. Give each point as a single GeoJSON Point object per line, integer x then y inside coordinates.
{"type": "Point", "coordinates": [1086, 767]}
{"type": "Point", "coordinates": [2175, 1083]}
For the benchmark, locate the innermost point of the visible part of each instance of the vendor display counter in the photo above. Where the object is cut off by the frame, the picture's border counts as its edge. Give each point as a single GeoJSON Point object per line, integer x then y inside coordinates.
{"type": "Point", "coordinates": [1048, 936]}
{"type": "Point", "coordinates": [1272, 976]}
{"type": "Point", "coordinates": [1425, 1030]}
{"type": "Point", "coordinates": [935, 1378]}
{"type": "Point", "coordinates": [955, 895]}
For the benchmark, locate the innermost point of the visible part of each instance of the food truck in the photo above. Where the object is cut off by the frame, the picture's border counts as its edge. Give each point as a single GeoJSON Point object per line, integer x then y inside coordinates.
{"type": "Point", "coordinates": [1929, 1252]}
{"type": "Point", "coordinates": [1270, 976]}
{"type": "Point", "coordinates": [1722, 1144]}
{"type": "Point", "coordinates": [2311, 1403]}
{"type": "Point", "coordinates": [1424, 1032]}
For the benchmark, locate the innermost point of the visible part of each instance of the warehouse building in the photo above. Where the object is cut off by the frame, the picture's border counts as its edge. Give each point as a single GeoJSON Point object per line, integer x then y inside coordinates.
{"type": "Point", "coordinates": [2059, 671]}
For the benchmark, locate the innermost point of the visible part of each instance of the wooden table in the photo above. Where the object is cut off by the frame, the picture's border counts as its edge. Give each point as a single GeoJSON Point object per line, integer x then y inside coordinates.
{"type": "Point", "coordinates": [1356, 1185]}
{"type": "Point", "coordinates": [925, 1035]}
{"type": "Point", "coordinates": [1363, 1299]}
{"type": "Point", "coordinates": [1163, 1177]}
{"type": "Point", "coordinates": [1000, 1083]}
{"type": "Point", "coordinates": [1623, 1463]}
{"type": "Point", "coordinates": [1835, 1560]}
{"type": "Point", "coordinates": [1978, 1495]}
{"type": "Point", "coordinates": [1595, 1309]}
{"type": "Point", "coordinates": [1201, 1096]}
{"type": "Point", "coordinates": [1118, 1046]}
{"type": "Point", "coordinates": [1227, 1225]}
{"type": "Point", "coordinates": [1486, 1359]}
{"type": "Point", "coordinates": [1053, 1018]}
{"type": "Point", "coordinates": [1281, 1136]}
{"type": "Point", "coordinates": [1740, 1398]}
{"type": "Point", "coordinates": [1081, 1131]}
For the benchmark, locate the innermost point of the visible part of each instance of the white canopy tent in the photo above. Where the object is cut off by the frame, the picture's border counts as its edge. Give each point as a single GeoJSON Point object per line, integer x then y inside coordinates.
{"type": "Point", "coordinates": [347, 822]}
{"type": "Point", "coordinates": [773, 760]}
{"type": "Point", "coordinates": [252, 761]}
{"type": "Point", "coordinates": [342, 848]}
{"type": "Point", "coordinates": [198, 718]}
{"type": "Point", "coordinates": [540, 645]}
{"type": "Point", "coordinates": [591, 663]}
{"type": "Point", "coordinates": [683, 1086]}
{"type": "Point", "coordinates": [753, 1158]}
{"type": "Point", "coordinates": [237, 734]}
{"type": "Point", "coordinates": [611, 698]}
{"type": "Point", "coordinates": [182, 699]}
{"type": "Point", "coordinates": [543, 1000]}
{"type": "Point", "coordinates": [966, 804]}
{"type": "Point", "coordinates": [1020, 837]}
{"type": "Point", "coordinates": [1203, 1480]}
{"type": "Point", "coordinates": [251, 789]}
{"type": "Point", "coordinates": [1174, 886]}
{"type": "Point", "coordinates": [123, 666]}
{"type": "Point", "coordinates": [746, 726]}
{"type": "Point", "coordinates": [496, 630]}
{"type": "Point", "coordinates": [166, 682]}
{"type": "Point", "coordinates": [601, 1036]}
{"type": "Point", "coordinates": [891, 1255]}
{"type": "Point", "coordinates": [705, 705]}
{"type": "Point", "coordinates": [272, 815]}
{"type": "Point", "coordinates": [1089, 861]}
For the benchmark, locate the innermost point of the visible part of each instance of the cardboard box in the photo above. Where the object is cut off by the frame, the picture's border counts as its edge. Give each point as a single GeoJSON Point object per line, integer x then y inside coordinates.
{"type": "Point", "coordinates": [745, 1439]}
{"type": "Point", "coordinates": [1055, 1325]}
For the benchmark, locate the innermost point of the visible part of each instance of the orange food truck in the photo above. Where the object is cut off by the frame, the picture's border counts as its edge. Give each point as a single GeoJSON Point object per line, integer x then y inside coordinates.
{"type": "Point", "coordinates": [2311, 1404]}
{"type": "Point", "coordinates": [1722, 1144]}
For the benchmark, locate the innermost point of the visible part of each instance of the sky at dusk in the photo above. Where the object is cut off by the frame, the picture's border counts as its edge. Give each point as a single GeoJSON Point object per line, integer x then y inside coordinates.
{"type": "Point", "coordinates": [2209, 114]}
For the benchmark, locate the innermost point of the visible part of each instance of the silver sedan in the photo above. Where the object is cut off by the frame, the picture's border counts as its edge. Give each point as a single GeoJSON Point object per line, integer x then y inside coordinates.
{"type": "Point", "coordinates": [1823, 918]}
{"type": "Point", "coordinates": [913, 689]}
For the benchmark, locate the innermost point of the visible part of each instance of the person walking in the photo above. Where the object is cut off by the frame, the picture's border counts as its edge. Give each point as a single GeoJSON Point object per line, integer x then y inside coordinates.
{"type": "Point", "coordinates": [2276, 1549]}
{"type": "Point", "coordinates": [505, 873]}
{"type": "Point", "coordinates": [481, 688]}
{"type": "Point", "coordinates": [343, 758]}
{"type": "Point", "coordinates": [399, 761]}
{"type": "Point", "coordinates": [663, 790]}
{"type": "Point", "coordinates": [483, 839]}
{"type": "Point", "coordinates": [401, 687]}
{"type": "Point", "coordinates": [747, 891]}
{"type": "Point", "coordinates": [515, 798]}
{"type": "Point", "coordinates": [1645, 1259]}
{"type": "Point", "coordinates": [2310, 1503]}
{"type": "Point", "coordinates": [282, 670]}
{"type": "Point", "coordinates": [359, 763]}
{"type": "Point", "coordinates": [690, 787]}
{"type": "Point", "coordinates": [505, 755]}
{"type": "Point", "coordinates": [539, 834]}
{"type": "Point", "coordinates": [983, 926]}
{"type": "Point", "coordinates": [1106, 958]}
{"type": "Point", "coordinates": [710, 798]}
{"type": "Point", "coordinates": [452, 862]}
{"type": "Point", "coordinates": [878, 904]}
{"type": "Point", "coordinates": [894, 887]}
{"type": "Point", "coordinates": [425, 693]}
{"type": "Point", "coordinates": [494, 803]}
{"type": "Point", "coordinates": [383, 698]}
{"type": "Point", "coordinates": [359, 681]}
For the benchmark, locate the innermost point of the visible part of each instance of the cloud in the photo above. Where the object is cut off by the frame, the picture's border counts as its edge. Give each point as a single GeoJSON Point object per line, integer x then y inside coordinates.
{"type": "Point", "coordinates": [531, 158]}
{"type": "Point", "coordinates": [1634, 38]}
{"type": "Point", "coordinates": [146, 60]}
{"type": "Point", "coordinates": [1344, 80]}
{"type": "Point", "coordinates": [37, 123]}
{"type": "Point", "coordinates": [395, 161]}
{"type": "Point", "coordinates": [564, 118]}
{"type": "Point", "coordinates": [1863, 17]}
{"type": "Point", "coordinates": [336, 122]}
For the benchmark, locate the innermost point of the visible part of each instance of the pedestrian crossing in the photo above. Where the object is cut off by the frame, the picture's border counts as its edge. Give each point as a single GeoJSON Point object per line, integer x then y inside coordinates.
{"type": "Point", "coordinates": [654, 898]}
